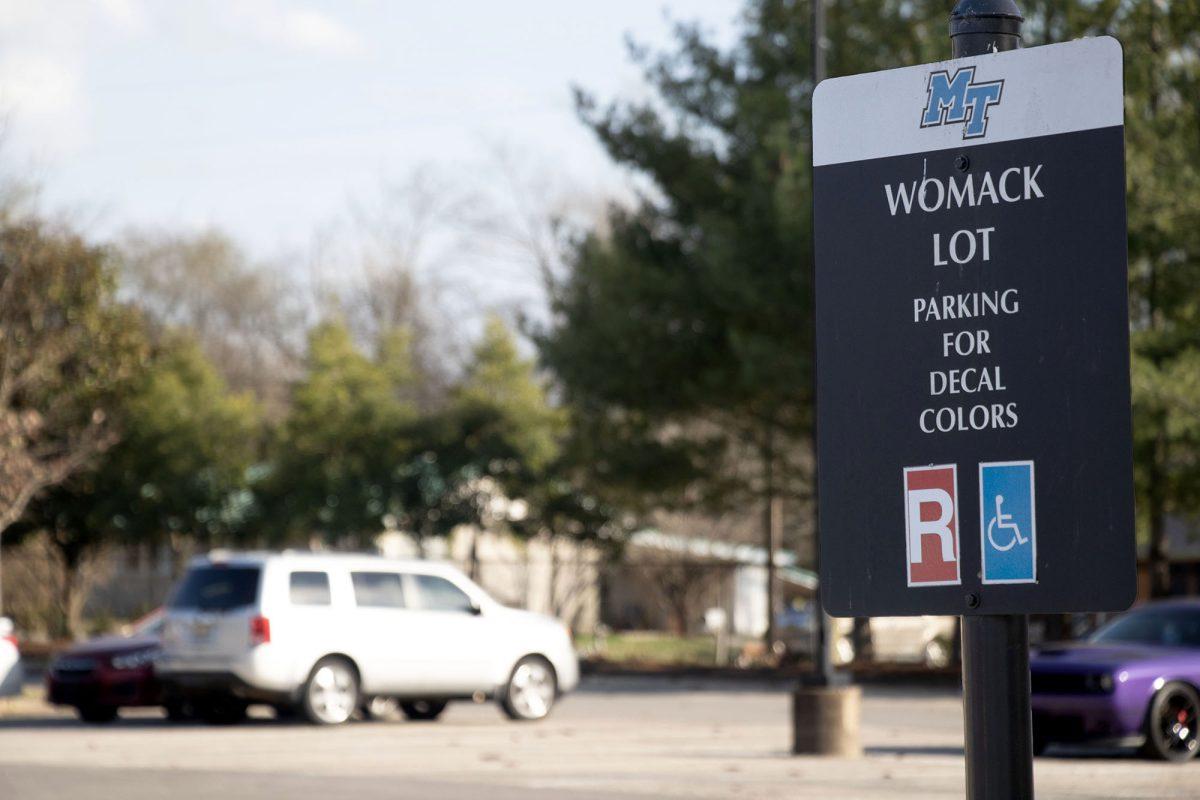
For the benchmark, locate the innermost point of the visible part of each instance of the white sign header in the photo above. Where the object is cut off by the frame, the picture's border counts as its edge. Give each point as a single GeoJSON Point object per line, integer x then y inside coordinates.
{"type": "Point", "coordinates": [998, 97]}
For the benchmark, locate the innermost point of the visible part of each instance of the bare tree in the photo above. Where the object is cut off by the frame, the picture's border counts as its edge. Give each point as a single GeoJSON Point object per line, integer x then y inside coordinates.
{"type": "Point", "coordinates": [387, 265]}
{"type": "Point", "coordinates": [529, 214]}
{"type": "Point", "coordinates": [248, 317]}
{"type": "Point", "coordinates": [47, 597]}
{"type": "Point", "coordinates": [679, 583]}
{"type": "Point", "coordinates": [573, 579]}
{"type": "Point", "coordinates": [66, 348]}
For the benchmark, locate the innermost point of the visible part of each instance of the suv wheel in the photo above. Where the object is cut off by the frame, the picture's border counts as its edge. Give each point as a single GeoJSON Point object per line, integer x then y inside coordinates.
{"type": "Point", "coordinates": [331, 692]}
{"type": "Point", "coordinates": [97, 714]}
{"type": "Point", "coordinates": [221, 710]}
{"type": "Point", "coordinates": [179, 710]}
{"type": "Point", "coordinates": [378, 708]}
{"type": "Point", "coordinates": [423, 710]}
{"type": "Point", "coordinates": [1171, 723]}
{"type": "Point", "coordinates": [531, 690]}
{"type": "Point", "coordinates": [937, 654]}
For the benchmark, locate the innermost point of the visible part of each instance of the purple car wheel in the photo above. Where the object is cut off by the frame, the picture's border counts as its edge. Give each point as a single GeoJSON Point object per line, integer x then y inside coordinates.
{"type": "Point", "coordinates": [1171, 725]}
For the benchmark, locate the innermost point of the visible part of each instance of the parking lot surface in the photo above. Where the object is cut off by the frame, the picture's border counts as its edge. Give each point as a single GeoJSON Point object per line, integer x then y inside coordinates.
{"type": "Point", "coordinates": [616, 738]}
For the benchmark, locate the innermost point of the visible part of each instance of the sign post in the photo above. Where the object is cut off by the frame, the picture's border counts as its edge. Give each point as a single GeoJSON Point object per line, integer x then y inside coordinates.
{"type": "Point", "coordinates": [997, 720]}
{"type": "Point", "coordinates": [973, 413]}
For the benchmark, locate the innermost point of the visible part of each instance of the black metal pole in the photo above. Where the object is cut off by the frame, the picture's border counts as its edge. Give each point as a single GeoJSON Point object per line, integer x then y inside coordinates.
{"type": "Point", "coordinates": [822, 672]}
{"type": "Point", "coordinates": [819, 42]}
{"type": "Point", "coordinates": [995, 649]}
{"type": "Point", "coordinates": [999, 734]}
{"type": "Point", "coordinates": [984, 26]}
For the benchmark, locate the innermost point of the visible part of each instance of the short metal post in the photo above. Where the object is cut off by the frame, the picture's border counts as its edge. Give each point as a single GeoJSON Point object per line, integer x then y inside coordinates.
{"type": "Point", "coordinates": [996, 715]}
{"type": "Point", "coordinates": [995, 649]}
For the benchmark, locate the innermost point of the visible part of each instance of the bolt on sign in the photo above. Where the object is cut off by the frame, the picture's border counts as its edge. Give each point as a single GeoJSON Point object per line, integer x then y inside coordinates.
{"type": "Point", "coordinates": [972, 333]}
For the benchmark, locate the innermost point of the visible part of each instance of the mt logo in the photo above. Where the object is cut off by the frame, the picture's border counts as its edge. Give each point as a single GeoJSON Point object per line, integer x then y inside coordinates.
{"type": "Point", "coordinates": [958, 99]}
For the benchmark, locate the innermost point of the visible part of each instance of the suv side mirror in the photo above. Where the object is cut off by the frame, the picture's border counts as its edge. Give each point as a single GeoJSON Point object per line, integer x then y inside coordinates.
{"type": "Point", "coordinates": [474, 610]}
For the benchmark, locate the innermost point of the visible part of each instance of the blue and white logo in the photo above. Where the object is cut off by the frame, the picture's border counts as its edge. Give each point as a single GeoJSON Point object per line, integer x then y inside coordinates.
{"type": "Point", "coordinates": [1008, 522]}
{"type": "Point", "coordinates": [958, 99]}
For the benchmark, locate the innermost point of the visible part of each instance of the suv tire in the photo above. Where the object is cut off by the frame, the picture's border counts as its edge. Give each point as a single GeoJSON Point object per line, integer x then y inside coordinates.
{"type": "Point", "coordinates": [330, 696]}
{"type": "Point", "coordinates": [423, 710]}
{"type": "Point", "coordinates": [221, 710]}
{"type": "Point", "coordinates": [179, 710]}
{"type": "Point", "coordinates": [96, 714]}
{"type": "Point", "coordinates": [531, 690]}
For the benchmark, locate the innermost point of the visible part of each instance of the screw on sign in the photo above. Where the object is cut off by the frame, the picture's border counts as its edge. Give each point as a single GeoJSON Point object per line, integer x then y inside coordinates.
{"type": "Point", "coordinates": [973, 345]}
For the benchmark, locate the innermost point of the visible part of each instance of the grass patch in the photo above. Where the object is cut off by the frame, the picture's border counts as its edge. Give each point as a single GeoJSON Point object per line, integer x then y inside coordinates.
{"type": "Point", "coordinates": [650, 648]}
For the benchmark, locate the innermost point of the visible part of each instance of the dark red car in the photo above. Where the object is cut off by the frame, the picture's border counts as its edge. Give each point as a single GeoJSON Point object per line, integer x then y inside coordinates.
{"type": "Point", "coordinates": [100, 676]}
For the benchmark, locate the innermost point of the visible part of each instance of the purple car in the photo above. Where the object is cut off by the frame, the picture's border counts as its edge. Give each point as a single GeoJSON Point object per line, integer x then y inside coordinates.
{"type": "Point", "coordinates": [1131, 683]}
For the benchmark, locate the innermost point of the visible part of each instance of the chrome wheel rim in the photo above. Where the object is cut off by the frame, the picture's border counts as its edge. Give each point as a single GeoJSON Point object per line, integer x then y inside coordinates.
{"type": "Point", "coordinates": [532, 689]}
{"type": "Point", "coordinates": [937, 655]}
{"type": "Point", "coordinates": [381, 707]}
{"type": "Point", "coordinates": [332, 693]}
{"type": "Point", "coordinates": [1177, 724]}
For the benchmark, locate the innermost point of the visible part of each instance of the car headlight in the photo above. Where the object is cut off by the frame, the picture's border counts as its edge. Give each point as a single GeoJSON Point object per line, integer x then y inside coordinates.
{"type": "Point", "coordinates": [1101, 683]}
{"type": "Point", "coordinates": [136, 660]}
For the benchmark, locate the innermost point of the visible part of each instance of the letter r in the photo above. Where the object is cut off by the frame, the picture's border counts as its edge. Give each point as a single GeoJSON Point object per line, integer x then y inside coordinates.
{"type": "Point", "coordinates": [931, 525]}
{"type": "Point", "coordinates": [939, 527]}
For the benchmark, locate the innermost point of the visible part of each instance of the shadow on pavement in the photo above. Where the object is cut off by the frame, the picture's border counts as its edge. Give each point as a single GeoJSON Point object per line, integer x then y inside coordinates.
{"type": "Point", "coordinates": [918, 750]}
{"type": "Point", "coordinates": [1064, 752]}
{"type": "Point", "coordinates": [32, 782]}
{"type": "Point", "coordinates": [140, 722]}
{"type": "Point", "coordinates": [1055, 753]}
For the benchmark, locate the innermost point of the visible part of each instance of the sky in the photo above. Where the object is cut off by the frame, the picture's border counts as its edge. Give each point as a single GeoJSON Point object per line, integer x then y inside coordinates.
{"type": "Point", "coordinates": [269, 118]}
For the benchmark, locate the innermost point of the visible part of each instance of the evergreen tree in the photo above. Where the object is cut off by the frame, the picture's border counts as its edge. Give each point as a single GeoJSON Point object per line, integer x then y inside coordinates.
{"type": "Point", "coordinates": [342, 438]}
{"type": "Point", "coordinates": [1162, 131]}
{"type": "Point", "coordinates": [684, 336]}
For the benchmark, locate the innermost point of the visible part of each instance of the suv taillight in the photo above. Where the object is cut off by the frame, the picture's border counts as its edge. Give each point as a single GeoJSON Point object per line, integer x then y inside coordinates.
{"type": "Point", "coordinates": [10, 639]}
{"type": "Point", "coordinates": [260, 630]}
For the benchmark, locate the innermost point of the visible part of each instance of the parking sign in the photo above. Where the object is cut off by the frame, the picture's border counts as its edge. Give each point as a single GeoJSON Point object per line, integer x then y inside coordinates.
{"type": "Point", "coordinates": [972, 336]}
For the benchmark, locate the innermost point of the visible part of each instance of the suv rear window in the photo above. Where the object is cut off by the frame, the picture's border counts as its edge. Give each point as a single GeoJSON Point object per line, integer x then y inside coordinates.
{"type": "Point", "coordinates": [216, 589]}
{"type": "Point", "coordinates": [309, 588]}
{"type": "Point", "coordinates": [377, 589]}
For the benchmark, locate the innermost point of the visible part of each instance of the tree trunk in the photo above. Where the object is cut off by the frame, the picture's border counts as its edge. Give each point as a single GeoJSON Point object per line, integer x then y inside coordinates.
{"type": "Point", "coordinates": [679, 615]}
{"type": "Point", "coordinates": [473, 557]}
{"type": "Point", "coordinates": [1160, 567]}
{"type": "Point", "coordinates": [772, 529]}
{"type": "Point", "coordinates": [71, 599]}
{"type": "Point", "coordinates": [1159, 561]}
{"type": "Point", "coordinates": [860, 636]}
{"type": "Point", "coordinates": [422, 537]}
{"type": "Point", "coordinates": [552, 594]}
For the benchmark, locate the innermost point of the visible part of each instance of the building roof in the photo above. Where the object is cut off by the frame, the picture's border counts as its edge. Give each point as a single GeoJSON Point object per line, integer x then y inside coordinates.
{"type": "Point", "coordinates": [740, 554]}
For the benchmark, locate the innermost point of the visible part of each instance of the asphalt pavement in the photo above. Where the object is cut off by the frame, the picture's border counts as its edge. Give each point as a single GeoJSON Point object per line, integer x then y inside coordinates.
{"type": "Point", "coordinates": [617, 739]}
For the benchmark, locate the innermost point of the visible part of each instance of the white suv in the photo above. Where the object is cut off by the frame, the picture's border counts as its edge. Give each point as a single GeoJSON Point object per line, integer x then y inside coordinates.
{"type": "Point", "coordinates": [323, 634]}
{"type": "Point", "coordinates": [10, 660]}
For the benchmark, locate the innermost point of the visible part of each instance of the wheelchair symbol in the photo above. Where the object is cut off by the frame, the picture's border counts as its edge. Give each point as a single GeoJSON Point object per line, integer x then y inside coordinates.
{"type": "Point", "coordinates": [1004, 521]}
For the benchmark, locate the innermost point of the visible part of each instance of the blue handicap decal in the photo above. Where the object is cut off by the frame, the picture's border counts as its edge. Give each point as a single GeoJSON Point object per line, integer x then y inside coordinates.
{"type": "Point", "coordinates": [1008, 522]}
